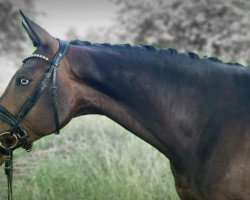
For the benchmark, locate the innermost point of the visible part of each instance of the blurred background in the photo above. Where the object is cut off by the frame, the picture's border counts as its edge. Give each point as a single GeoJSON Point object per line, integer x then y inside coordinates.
{"type": "Point", "coordinates": [95, 158]}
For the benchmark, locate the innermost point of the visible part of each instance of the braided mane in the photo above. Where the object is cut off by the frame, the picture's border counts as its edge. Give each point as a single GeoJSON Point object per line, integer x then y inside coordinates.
{"type": "Point", "coordinates": [150, 48]}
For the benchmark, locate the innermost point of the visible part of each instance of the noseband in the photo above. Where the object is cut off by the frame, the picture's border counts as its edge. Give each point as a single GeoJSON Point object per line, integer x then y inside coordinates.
{"type": "Point", "coordinates": [17, 133]}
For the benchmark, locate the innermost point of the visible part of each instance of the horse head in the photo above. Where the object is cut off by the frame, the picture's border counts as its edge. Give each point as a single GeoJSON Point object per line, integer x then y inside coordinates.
{"type": "Point", "coordinates": [30, 108]}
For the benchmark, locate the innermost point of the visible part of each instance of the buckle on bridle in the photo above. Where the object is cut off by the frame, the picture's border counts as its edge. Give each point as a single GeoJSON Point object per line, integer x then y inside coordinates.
{"type": "Point", "coordinates": [5, 146]}
{"type": "Point", "coordinates": [23, 134]}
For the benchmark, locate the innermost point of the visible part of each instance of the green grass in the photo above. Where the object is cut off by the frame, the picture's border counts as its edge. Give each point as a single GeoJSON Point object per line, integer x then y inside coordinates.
{"type": "Point", "coordinates": [92, 159]}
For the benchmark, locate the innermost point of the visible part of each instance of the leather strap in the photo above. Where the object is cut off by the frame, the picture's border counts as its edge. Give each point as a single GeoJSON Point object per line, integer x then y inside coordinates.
{"type": "Point", "coordinates": [63, 48]}
{"type": "Point", "coordinates": [14, 122]}
{"type": "Point", "coordinates": [6, 116]}
{"type": "Point", "coordinates": [10, 119]}
{"type": "Point", "coordinates": [54, 102]}
{"type": "Point", "coordinates": [9, 171]}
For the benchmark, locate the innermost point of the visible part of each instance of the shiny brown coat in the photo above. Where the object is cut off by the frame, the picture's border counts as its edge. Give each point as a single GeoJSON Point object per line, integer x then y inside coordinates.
{"type": "Point", "coordinates": [195, 111]}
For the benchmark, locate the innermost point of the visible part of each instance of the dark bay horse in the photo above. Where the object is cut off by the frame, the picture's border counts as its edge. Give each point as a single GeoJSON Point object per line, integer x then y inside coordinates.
{"type": "Point", "coordinates": [196, 111]}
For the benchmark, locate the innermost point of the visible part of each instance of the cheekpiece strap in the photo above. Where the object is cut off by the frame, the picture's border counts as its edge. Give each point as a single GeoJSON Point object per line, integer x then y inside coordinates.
{"type": "Point", "coordinates": [63, 46]}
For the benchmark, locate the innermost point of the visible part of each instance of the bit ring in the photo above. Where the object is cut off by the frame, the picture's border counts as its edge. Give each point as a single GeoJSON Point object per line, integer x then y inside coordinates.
{"type": "Point", "coordinates": [13, 145]}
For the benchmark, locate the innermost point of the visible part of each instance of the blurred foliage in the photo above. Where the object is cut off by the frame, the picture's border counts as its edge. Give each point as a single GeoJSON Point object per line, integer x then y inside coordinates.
{"type": "Point", "coordinates": [12, 36]}
{"type": "Point", "coordinates": [91, 162]}
{"type": "Point", "coordinates": [213, 27]}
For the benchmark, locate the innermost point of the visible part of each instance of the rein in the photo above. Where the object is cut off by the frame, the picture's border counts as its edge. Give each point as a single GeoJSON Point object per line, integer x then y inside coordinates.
{"type": "Point", "coordinates": [17, 133]}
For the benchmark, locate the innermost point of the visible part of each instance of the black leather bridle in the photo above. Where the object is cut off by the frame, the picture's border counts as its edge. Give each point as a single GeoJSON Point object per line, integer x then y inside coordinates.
{"type": "Point", "coordinates": [17, 133]}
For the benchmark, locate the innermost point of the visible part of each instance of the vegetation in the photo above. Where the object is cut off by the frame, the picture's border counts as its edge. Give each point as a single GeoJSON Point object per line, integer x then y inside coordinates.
{"type": "Point", "coordinates": [93, 158]}
{"type": "Point", "coordinates": [216, 28]}
{"type": "Point", "coordinates": [12, 43]}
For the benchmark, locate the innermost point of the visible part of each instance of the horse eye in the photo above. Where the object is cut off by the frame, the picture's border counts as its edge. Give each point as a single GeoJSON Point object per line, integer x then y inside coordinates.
{"type": "Point", "coordinates": [23, 81]}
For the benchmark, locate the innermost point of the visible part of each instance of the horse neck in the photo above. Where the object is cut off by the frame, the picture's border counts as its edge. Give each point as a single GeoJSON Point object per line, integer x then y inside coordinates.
{"type": "Point", "coordinates": [151, 97]}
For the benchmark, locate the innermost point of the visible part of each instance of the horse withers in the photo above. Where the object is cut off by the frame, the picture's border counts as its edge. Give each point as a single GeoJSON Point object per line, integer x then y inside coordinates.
{"type": "Point", "coordinates": [196, 111]}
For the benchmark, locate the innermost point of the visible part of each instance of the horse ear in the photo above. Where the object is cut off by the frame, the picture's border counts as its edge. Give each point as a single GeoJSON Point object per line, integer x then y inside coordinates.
{"type": "Point", "coordinates": [37, 34]}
